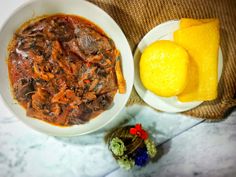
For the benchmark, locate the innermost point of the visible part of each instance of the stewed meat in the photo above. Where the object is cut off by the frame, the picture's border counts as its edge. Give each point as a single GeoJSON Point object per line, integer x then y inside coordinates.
{"type": "Point", "coordinates": [62, 69]}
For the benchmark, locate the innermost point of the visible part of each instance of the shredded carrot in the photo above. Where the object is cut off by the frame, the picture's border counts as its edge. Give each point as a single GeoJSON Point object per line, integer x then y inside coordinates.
{"type": "Point", "coordinates": [41, 74]}
{"type": "Point", "coordinates": [87, 81]}
{"type": "Point", "coordinates": [56, 49]}
{"type": "Point", "coordinates": [88, 64]}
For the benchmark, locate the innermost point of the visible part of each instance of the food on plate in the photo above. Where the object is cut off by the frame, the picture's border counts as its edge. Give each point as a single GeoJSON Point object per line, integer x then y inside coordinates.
{"type": "Point", "coordinates": [188, 22]}
{"type": "Point", "coordinates": [164, 68]}
{"type": "Point", "coordinates": [63, 69]}
{"type": "Point", "coordinates": [201, 39]}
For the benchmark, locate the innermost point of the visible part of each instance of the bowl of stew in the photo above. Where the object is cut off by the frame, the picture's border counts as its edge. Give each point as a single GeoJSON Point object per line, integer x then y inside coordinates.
{"type": "Point", "coordinates": [66, 67]}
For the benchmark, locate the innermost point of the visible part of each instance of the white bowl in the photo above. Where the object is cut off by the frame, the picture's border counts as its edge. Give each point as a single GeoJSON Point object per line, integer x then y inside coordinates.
{"type": "Point", "coordinates": [89, 11]}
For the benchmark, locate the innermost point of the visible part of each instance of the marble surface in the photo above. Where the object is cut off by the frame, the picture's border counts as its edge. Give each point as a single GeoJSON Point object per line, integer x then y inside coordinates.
{"type": "Point", "coordinates": [206, 150]}
{"type": "Point", "coordinates": [187, 146]}
{"type": "Point", "coordinates": [25, 152]}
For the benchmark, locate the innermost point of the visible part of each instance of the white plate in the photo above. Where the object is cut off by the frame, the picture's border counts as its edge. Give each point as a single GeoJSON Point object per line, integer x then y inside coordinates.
{"type": "Point", "coordinates": [171, 104]}
{"type": "Point", "coordinates": [85, 9]}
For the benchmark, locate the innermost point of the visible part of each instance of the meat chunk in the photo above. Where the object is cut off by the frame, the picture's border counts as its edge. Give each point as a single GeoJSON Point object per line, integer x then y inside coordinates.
{"type": "Point", "coordinates": [39, 106]}
{"type": "Point", "coordinates": [23, 89]}
{"type": "Point", "coordinates": [106, 84]}
{"type": "Point", "coordinates": [40, 100]}
{"type": "Point", "coordinates": [61, 29]}
{"type": "Point", "coordinates": [91, 46]}
{"type": "Point", "coordinates": [73, 47]}
{"type": "Point", "coordinates": [92, 42]}
{"type": "Point", "coordinates": [34, 28]}
{"type": "Point", "coordinates": [102, 102]}
{"type": "Point", "coordinates": [80, 115]}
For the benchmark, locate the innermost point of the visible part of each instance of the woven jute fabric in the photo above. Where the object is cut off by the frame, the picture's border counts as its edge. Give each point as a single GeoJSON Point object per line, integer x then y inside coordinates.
{"type": "Point", "coordinates": [137, 17]}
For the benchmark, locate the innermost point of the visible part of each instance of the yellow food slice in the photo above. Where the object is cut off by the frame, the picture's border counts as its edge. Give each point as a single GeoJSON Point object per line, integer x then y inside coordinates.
{"type": "Point", "coordinates": [163, 68]}
{"type": "Point", "coordinates": [202, 43]}
{"type": "Point", "coordinates": [188, 22]}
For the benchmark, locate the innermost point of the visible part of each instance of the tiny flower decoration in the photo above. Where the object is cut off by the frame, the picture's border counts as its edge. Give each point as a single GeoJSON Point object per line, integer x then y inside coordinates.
{"type": "Point", "coordinates": [141, 157]}
{"type": "Point", "coordinates": [126, 163]}
{"type": "Point", "coordinates": [151, 148]}
{"type": "Point", "coordinates": [117, 146]}
{"type": "Point", "coordinates": [137, 130]}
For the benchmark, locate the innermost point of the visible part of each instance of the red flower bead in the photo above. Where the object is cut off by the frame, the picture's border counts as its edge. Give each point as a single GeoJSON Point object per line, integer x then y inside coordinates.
{"type": "Point", "coordinates": [137, 130]}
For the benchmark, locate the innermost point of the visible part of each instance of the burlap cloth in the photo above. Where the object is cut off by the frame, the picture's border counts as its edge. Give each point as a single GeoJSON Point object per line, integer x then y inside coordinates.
{"type": "Point", "coordinates": [137, 17]}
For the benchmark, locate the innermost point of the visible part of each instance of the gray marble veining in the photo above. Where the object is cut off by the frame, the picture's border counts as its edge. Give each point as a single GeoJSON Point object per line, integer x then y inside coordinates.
{"type": "Point", "coordinates": [25, 152]}
{"type": "Point", "coordinates": [206, 150]}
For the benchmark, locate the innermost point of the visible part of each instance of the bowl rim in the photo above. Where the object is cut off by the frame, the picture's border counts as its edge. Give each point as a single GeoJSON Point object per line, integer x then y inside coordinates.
{"type": "Point", "coordinates": [63, 134]}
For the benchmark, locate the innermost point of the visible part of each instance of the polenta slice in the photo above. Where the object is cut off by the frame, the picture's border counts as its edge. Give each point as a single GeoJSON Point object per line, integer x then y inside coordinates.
{"type": "Point", "coordinates": [188, 22]}
{"type": "Point", "coordinates": [201, 39]}
{"type": "Point", "coordinates": [164, 68]}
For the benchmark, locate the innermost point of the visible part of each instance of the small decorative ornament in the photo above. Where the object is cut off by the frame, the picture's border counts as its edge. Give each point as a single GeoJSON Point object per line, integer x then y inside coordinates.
{"type": "Point", "coordinates": [117, 146]}
{"type": "Point", "coordinates": [137, 130]}
{"type": "Point", "coordinates": [141, 157]}
{"type": "Point", "coordinates": [125, 162]}
{"type": "Point", "coordinates": [131, 146]}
